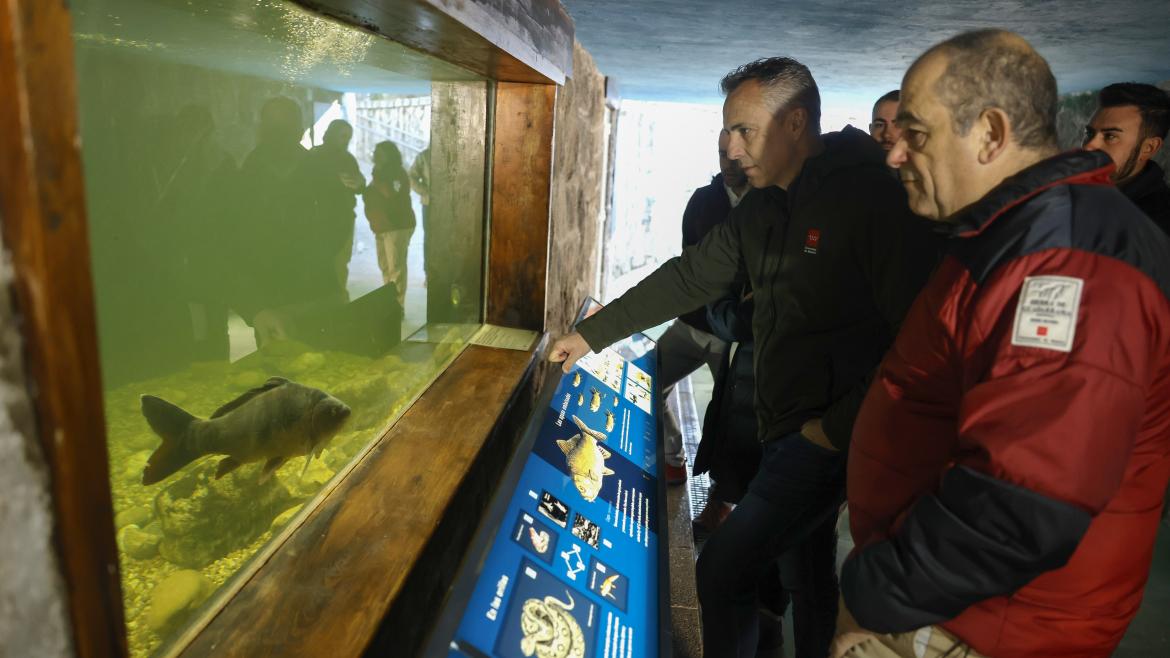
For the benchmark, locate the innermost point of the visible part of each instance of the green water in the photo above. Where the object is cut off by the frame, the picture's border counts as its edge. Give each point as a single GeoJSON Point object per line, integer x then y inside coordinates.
{"type": "Point", "coordinates": [230, 246]}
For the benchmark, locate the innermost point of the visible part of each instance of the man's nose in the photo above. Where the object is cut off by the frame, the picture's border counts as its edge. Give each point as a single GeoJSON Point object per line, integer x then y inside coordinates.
{"type": "Point", "coordinates": [1093, 143]}
{"type": "Point", "coordinates": [734, 148]}
{"type": "Point", "coordinates": [897, 155]}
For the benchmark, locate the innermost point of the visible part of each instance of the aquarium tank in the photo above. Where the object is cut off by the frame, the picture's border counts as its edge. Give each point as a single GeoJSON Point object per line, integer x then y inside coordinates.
{"type": "Point", "coordinates": [286, 220]}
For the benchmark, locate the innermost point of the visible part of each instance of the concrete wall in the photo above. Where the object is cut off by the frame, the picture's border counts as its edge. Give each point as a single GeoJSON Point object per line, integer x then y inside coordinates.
{"type": "Point", "coordinates": [579, 150]}
{"type": "Point", "coordinates": [33, 607]}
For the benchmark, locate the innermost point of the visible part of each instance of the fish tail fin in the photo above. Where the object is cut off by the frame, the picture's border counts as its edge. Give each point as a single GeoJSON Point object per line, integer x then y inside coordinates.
{"type": "Point", "coordinates": [172, 424]}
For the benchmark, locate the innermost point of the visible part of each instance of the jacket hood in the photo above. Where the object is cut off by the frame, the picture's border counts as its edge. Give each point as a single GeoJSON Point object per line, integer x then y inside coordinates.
{"type": "Point", "coordinates": [847, 149]}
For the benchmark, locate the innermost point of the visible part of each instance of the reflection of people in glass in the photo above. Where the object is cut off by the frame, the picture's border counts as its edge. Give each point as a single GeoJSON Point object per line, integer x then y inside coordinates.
{"type": "Point", "coordinates": [190, 174]}
{"type": "Point", "coordinates": [337, 181]}
{"type": "Point", "coordinates": [387, 203]}
{"type": "Point", "coordinates": [287, 262]}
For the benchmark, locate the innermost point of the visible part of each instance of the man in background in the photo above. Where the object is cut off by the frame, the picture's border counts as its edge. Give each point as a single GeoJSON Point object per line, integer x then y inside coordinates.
{"type": "Point", "coordinates": [882, 126]}
{"type": "Point", "coordinates": [688, 343]}
{"type": "Point", "coordinates": [1130, 124]}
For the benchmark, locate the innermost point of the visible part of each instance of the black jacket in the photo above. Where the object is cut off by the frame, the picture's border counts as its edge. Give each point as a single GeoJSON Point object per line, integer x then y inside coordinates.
{"type": "Point", "coordinates": [707, 207]}
{"type": "Point", "coordinates": [730, 446]}
{"type": "Point", "coordinates": [1148, 191]}
{"type": "Point", "coordinates": [834, 263]}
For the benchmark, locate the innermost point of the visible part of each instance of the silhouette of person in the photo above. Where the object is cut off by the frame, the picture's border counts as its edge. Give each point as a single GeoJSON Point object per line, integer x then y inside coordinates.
{"type": "Point", "coordinates": [391, 218]}
{"type": "Point", "coordinates": [286, 256]}
{"type": "Point", "coordinates": [337, 182]}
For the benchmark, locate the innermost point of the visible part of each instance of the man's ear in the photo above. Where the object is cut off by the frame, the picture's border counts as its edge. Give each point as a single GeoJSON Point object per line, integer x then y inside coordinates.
{"type": "Point", "coordinates": [995, 131]}
{"type": "Point", "coordinates": [1149, 148]}
{"type": "Point", "coordinates": [797, 119]}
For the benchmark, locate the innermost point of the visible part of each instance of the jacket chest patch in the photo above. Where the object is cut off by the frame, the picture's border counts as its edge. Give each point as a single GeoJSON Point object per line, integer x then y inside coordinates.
{"type": "Point", "coordinates": [1046, 316]}
{"type": "Point", "coordinates": [812, 241]}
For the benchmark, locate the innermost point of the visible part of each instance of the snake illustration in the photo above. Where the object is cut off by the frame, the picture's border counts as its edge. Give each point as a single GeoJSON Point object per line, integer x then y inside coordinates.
{"type": "Point", "coordinates": [549, 630]}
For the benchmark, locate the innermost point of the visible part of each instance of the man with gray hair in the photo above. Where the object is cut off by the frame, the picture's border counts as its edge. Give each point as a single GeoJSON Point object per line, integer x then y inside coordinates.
{"type": "Point", "coordinates": [834, 258]}
{"type": "Point", "coordinates": [1008, 465]}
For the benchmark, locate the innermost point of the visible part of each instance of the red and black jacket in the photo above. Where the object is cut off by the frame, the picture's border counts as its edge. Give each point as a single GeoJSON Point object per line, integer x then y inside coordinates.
{"type": "Point", "coordinates": [1008, 464]}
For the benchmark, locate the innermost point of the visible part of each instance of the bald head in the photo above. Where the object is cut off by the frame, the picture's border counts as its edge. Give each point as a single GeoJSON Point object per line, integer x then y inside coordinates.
{"type": "Point", "coordinates": [988, 69]}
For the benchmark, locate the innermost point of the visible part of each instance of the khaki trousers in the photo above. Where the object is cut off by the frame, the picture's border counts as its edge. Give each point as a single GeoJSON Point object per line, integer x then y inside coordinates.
{"type": "Point", "coordinates": [927, 642]}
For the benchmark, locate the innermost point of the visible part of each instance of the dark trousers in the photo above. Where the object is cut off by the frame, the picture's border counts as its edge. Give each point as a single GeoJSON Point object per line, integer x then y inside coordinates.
{"type": "Point", "coordinates": [796, 492]}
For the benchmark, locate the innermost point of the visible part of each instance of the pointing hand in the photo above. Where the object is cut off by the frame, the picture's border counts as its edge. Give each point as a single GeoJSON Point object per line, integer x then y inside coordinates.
{"type": "Point", "coordinates": [568, 349]}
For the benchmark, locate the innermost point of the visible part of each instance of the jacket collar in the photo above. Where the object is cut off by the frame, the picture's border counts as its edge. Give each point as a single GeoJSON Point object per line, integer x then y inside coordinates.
{"type": "Point", "coordinates": [1149, 181]}
{"type": "Point", "coordinates": [1068, 168]}
{"type": "Point", "coordinates": [843, 150]}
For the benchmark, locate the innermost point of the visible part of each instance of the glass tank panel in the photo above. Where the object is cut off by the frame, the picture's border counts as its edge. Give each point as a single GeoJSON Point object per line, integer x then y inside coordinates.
{"type": "Point", "coordinates": [286, 223]}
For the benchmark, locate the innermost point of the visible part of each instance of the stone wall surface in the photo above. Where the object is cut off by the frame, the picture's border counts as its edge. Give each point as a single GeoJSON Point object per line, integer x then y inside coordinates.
{"type": "Point", "coordinates": [33, 604]}
{"type": "Point", "coordinates": [579, 148]}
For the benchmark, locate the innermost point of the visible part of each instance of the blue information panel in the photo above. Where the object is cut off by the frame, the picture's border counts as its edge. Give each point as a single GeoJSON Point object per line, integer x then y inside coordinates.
{"type": "Point", "coordinates": [573, 568]}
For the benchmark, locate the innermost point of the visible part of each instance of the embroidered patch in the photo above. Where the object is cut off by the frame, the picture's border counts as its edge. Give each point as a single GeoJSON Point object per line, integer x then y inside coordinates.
{"type": "Point", "coordinates": [1046, 316]}
{"type": "Point", "coordinates": [812, 240]}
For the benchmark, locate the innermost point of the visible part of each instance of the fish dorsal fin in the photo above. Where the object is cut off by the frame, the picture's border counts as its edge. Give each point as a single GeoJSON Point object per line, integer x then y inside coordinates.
{"type": "Point", "coordinates": [604, 453]}
{"type": "Point", "coordinates": [606, 471]}
{"type": "Point", "coordinates": [272, 383]}
{"type": "Point", "coordinates": [566, 446]}
{"type": "Point", "coordinates": [588, 430]}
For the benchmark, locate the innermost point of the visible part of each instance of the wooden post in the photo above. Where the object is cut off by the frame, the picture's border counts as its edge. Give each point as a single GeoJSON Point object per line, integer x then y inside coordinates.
{"type": "Point", "coordinates": [42, 206]}
{"type": "Point", "coordinates": [521, 185]}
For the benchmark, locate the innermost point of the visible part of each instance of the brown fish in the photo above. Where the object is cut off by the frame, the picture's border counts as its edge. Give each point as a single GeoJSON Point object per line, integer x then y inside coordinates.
{"type": "Point", "coordinates": [272, 423]}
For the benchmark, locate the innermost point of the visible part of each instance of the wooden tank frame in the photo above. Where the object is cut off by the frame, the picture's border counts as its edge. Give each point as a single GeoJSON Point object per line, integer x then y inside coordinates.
{"type": "Point", "coordinates": [380, 549]}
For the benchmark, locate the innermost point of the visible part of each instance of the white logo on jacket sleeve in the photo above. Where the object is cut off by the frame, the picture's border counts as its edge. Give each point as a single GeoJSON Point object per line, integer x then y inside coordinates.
{"type": "Point", "coordinates": [1047, 313]}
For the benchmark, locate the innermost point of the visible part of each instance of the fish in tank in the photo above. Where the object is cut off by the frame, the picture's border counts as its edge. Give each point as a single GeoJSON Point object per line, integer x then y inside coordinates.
{"type": "Point", "coordinates": [271, 423]}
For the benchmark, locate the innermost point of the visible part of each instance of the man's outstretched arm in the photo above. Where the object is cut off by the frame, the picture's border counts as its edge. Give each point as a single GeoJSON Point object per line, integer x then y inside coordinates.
{"type": "Point", "coordinates": [701, 275]}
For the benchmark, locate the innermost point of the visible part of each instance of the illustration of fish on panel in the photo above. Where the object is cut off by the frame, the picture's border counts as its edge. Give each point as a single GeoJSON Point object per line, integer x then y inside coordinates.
{"type": "Point", "coordinates": [594, 399]}
{"type": "Point", "coordinates": [607, 586]}
{"type": "Point", "coordinates": [580, 399]}
{"type": "Point", "coordinates": [576, 379]}
{"type": "Point", "coordinates": [271, 423]}
{"type": "Point", "coordinates": [550, 631]}
{"type": "Point", "coordinates": [586, 460]}
{"type": "Point", "coordinates": [609, 420]}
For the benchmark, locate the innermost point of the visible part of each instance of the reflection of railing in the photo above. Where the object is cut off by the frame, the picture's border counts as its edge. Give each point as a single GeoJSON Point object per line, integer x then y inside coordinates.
{"type": "Point", "coordinates": [405, 140]}
{"type": "Point", "coordinates": [403, 120]}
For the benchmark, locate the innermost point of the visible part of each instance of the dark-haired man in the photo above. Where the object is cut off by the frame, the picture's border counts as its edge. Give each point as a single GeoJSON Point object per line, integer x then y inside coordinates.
{"type": "Point", "coordinates": [1130, 124]}
{"type": "Point", "coordinates": [882, 126]}
{"type": "Point", "coordinates": [1008, 464]}
{"type": "Point", "coordinates": [834, 258]}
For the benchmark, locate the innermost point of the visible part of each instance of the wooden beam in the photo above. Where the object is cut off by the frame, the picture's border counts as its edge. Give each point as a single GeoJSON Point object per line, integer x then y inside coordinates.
{"type": "Point", "coordinates": [42, 205]}
{"type": "Point", "coordinates": [515, 41]}
{"type": "Point", "coordinates": [521, 185]}
{"type": "Point", "coordinates": [329, 588]}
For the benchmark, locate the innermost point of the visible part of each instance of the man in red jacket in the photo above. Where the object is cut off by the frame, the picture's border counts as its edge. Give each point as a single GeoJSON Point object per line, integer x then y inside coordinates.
{"type": "Point", "coordinates": [1008, 465]}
